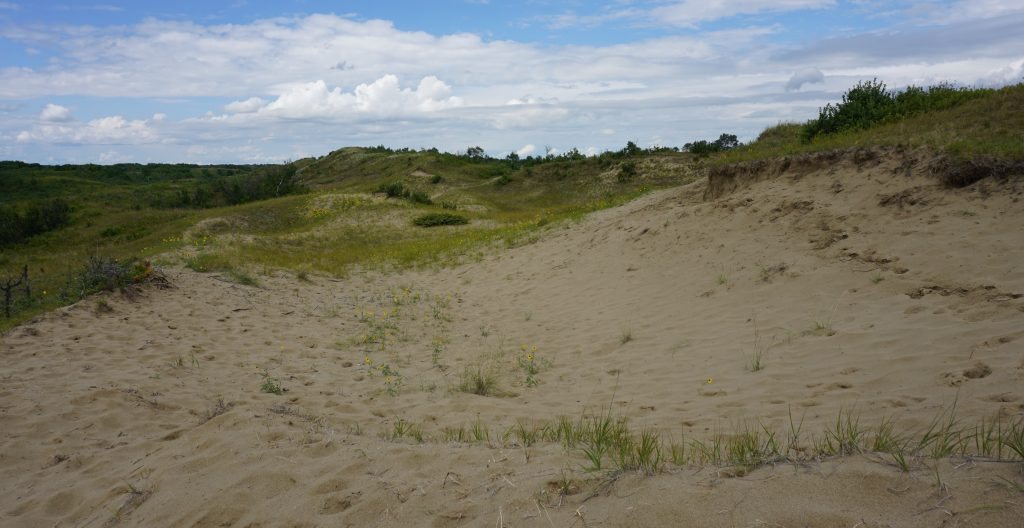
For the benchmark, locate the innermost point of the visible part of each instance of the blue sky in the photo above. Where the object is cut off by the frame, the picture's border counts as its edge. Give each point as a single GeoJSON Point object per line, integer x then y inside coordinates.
{"type": "Point", "coordinates": [259, 81]}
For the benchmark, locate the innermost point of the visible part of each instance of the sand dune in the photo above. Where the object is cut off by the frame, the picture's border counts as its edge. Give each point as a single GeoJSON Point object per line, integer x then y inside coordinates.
{"type": "Point", "coordinates": [865, 285]}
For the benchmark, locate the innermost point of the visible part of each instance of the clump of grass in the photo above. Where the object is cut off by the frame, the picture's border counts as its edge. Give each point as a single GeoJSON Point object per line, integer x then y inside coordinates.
{"type": "Point", "coordinates": [846, 435]}
{"type": "Point", "coordinates": [478, 380]}
{"type": "Point", "coordinates": [643, 454]}
{"type": "Point", "coordinates": [526, 436]}
{"type": "Point", "coordinates": [722, 279]}
{"type": "Point", "coordinates": [943, 435]}
{"type": "Point", "coordinates": [403, 428]}
{"type": "Point", "coordinates": [454, 435]}
{"type": "Point", "coordinates": [1013, 438]}
{"type": "Point", "coordinates": [242, 277]}
{"type": "Point", "coordinates": [821, 327]}
{"type": "Point", "coordinates": [439, 219]}
{"type": "Point", "coordinates": [755, 362]}
{"type": "Point", "coordinates": [479, 433]}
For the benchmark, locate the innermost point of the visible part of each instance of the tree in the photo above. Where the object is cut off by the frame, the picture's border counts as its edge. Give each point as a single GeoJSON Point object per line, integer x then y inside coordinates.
{"type": "Point", "coordinates": [727, 141]}
{"type": "Point", "coordinates": [475, 152]}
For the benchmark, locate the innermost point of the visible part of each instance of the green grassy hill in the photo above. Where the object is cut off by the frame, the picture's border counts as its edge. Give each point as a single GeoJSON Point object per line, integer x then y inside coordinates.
{"type": "Point", "coordinates": [229, 219]}
{"type": "Point", "coordinates": [327, 214]}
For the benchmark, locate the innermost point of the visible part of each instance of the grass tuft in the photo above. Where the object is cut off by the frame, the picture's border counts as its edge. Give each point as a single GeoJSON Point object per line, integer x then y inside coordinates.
{"type": "Point", "coordinates": [478, 380]}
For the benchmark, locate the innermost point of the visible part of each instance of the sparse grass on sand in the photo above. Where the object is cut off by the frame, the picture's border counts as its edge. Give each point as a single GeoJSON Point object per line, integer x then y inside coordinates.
{"type": "Point", "coordinates": [605, 442]}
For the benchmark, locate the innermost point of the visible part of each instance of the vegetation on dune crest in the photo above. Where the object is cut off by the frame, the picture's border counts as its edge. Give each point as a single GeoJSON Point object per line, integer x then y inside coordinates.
{"type": "Point", "coordinates": [870, 103]}
{"type": "Point", "coordinates": [962, 122]}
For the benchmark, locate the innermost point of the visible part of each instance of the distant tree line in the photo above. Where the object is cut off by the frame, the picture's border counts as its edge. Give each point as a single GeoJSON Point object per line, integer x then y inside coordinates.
{"type": "Point", "coordinates": [476, 154]}
{"type": "Point", "coordinates": [704, 147]}
{"type": "Point", "coordinates": [270, 181]}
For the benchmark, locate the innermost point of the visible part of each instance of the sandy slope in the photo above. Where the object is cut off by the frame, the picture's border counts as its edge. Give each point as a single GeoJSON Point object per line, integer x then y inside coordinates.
{"type": "Point", "coordinates": [867, 287]}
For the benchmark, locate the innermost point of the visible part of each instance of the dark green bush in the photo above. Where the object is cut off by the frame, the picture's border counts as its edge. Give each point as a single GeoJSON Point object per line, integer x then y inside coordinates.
{"type": "Point", "coordinates": [420, 197]}
{"type": "Point", "coordinates": [627, 171]}
{"type": "Point", "coordinates": [870, 103]}
{"type": "Point", "coordinates": [393, 189]}
{"type": "Point", "coordinates": [37, 218]}
{"type": "Point", "coordinates": [438, 219]}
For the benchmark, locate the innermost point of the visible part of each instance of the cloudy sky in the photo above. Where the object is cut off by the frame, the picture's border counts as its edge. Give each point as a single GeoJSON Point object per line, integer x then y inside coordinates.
{"type": "Point", "coordinates": [256, 81]}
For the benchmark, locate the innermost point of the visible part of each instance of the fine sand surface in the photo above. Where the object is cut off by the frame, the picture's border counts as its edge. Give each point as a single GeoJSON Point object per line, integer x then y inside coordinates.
{"type": "Point", "coordinates": [869, 289]}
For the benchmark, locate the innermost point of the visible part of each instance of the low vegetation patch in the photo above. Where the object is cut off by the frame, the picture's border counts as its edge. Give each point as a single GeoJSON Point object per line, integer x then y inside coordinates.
{"type": "Point", "coordinates": [440, 219]}
{"type": "Point", "coordinates": [109, 274]}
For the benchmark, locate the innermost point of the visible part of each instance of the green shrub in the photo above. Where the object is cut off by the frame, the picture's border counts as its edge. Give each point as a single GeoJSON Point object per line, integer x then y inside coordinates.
{"type": "Point", "coordinates": [438, 219]}
{"type": "Point", "coordinates": [627, 171]}
{"type": "Point", "coordinates": [393, 189]}
{"type": "Point", "coordinates": [420, 197]}
{"type": "Point", "coordinates": [108, 274]}
{"type": "Point", "coordinates": [399, 190]}
{"type": "Point", "coordinates": [870, 103]}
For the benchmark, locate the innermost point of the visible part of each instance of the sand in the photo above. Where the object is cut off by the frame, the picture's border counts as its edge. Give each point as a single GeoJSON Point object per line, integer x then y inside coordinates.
{"type": "Point", "coordinates": [866, 285]}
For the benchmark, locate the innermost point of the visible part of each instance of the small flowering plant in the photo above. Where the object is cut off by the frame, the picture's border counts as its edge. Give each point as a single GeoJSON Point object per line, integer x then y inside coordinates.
{"type": "Point", "coordinates": [531, 364]}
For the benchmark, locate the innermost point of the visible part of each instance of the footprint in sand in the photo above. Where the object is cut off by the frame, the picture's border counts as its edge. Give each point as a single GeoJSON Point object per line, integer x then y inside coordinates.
{"type": "Point", "coordinates": [977, 371]}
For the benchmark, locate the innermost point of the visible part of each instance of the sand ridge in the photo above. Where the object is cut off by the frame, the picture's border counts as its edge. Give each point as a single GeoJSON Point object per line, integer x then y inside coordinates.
{"type": "Point", "coordinates": [867, 287]}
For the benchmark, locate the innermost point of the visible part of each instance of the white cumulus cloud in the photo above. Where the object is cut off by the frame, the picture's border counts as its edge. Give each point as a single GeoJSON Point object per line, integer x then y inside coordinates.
{"type": "Point", "coordinates": [105, 130]}
{"type": "Point", "coordinates": [55, 113]}
{"type": "Point", "coordinates": [247, 106]}
{"type": "Point", "coordinates": [382, 97]}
